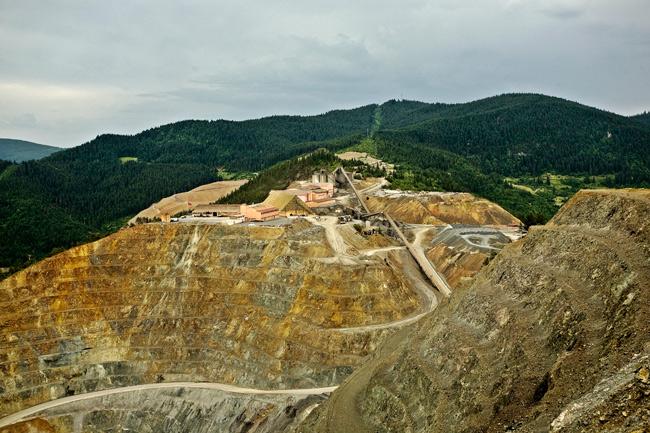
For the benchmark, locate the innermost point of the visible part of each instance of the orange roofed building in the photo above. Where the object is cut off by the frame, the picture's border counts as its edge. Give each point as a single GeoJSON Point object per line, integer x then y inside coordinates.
{"type": "Point", "coordinates": [259, 212]}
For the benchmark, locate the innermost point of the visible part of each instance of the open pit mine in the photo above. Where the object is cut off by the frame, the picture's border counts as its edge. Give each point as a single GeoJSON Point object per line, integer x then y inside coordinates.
{"type": "Point", "coordinates": [267, 308]}
{"type": "Point", "coordinates": [370, 311]}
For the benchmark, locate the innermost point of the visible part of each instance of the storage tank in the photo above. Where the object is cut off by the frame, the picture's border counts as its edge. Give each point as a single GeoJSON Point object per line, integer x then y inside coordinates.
{"type": "Point", "coordinates": [323, 176]}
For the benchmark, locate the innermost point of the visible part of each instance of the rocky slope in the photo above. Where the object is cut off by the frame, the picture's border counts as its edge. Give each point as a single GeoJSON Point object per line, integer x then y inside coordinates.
{"type": "Point", "coordinates": [552, 335]}
{"type": "Point", "coordinates": [459, 252]}
{"type": "Point", "coordinates": [177, 410]}
{"type": "Point", "coordinates": [260, 307]}
{"type": "Point", "coordinates": [458, 267]}
{"type": "Point", "coordinates": [439, 208]}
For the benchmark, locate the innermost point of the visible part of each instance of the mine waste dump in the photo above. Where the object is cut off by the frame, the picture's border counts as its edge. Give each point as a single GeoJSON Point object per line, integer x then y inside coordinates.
{"type": "Point", "coordinates": [318, 323]}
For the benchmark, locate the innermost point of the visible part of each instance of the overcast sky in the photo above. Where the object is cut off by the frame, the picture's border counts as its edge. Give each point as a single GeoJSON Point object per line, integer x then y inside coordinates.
{"type": "Point", "coordinates": [70, 70]}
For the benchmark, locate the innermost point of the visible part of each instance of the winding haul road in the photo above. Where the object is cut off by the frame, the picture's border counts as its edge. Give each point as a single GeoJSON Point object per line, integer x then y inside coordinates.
{"type": "Point", "coordinates": [29, 412]}
{"type": "Point", "coordinates": [340, 248]}
{"type": "Point", "coordinates": [429, 303]}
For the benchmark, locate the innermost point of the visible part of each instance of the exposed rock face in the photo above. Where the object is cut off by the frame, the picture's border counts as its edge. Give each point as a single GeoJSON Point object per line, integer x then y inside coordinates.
{"type": "Point", "coordinates": [552, 335]}
{"type": "Point", "coordinates": [458, 267]}
{"type": "Point", "coordinates": [439, 208]}
{"type": "Point", "coordinates": [460, 252]}
{"type": "Point", "coordinates": [37, 425]}
{"type": "Point", "coordinates": [253, 306]}
{"type": "Point", "coordinates": [173, 411]}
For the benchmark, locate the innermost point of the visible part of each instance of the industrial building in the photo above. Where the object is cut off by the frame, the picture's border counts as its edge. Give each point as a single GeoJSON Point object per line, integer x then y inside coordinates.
{"type": "Point", "coordinates": [258, 212]}
{"type": "Point", "coordinates": [322, 176]}
{"type": "Point", "coordinates": [288, 203]}
{"type": "Point", "coordinates": [298, 200]}
{"type": "Point", "coordinates": [237, 212]}
{"type": "Point", "coordinates": [216, 210]}
{"type": "Point", "coordinates": [315, 193]}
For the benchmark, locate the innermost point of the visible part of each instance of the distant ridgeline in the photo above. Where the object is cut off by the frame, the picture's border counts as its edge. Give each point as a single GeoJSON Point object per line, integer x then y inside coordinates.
{"type": "Point", "coordinates": [20, 150]}
{"type": "Point", "coordinates": [498, 147]}
{"type": "Point", "coordinates": [526, 152]}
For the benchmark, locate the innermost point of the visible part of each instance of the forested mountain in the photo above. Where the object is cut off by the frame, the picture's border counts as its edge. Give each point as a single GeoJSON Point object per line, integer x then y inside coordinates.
{"type": "Point", "coordinates": [20, 150]}
{"type": "Point", "coordinates": [238, 146]}
{"type": "Point", "coordinates": [487, 147]}
{"type": "Point", "coordinates": [516, 135]}
{"type": "Point", "coordinates": [85, 192]}
{"type": "Point", "coordinates": [643, 118]}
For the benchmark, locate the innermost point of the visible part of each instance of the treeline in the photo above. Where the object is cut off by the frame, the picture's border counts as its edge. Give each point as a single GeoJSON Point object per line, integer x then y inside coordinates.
{"type": "Point", "coordinates": [424, 168]}
{"type": "Point", "coordinates": [643, 118]}
{"type": "Point", "coordinates": [45, 206]}
{"type": "Point", "coordinates": [4, 164]}
{"type": "Point", "coordinates": [101, 191]}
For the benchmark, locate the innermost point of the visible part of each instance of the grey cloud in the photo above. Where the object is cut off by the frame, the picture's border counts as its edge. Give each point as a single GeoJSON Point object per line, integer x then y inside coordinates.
{"type": "Point", "coordinates": [24, 120]}
{"type": "Point", "coordinates": [563, 12]}
{"type": "Point", "coordinates": [88, 67]}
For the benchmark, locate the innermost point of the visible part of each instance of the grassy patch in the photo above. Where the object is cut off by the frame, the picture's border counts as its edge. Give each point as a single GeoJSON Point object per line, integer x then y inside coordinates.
{"type": "Point", "coordinates": [366, 145]}
{"type": "Point", "coordinates": [559, 200]}
{"type": "Point", "coordinates": [556, 188]}
{"type": "Point", "coordinates": [125, 159]}
{"type": "Point", "coordinates": [8, 171]}
{"type": "Point", "coordinates": [526, 188]}
{"type": "Point", "coordinates": [224, 174]}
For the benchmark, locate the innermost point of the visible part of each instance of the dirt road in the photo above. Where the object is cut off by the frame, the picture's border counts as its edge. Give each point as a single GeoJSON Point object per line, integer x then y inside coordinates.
{"type": "Point", "coordinates": [334, 238]}
{"type": "Point", "coordinates": [26, 413]}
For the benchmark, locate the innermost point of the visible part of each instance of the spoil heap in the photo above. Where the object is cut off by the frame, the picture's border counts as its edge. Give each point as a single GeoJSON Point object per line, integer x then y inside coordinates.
{"type": "Point", "coordinates": [459, 253]}
{"type": "Point", "coordinates": [439, 208]}
{"type": "Point", "coordinates": [186, 201]}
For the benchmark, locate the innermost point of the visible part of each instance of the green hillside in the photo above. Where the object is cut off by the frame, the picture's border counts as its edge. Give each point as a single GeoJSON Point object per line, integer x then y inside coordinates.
{"type": "Point", "coordinates": [85, 192]}
{"type": "Point", "coordinates": [20, 150]}
{"type": "Point", "coordinates": [643, 118]}
{"type": "Point", "coordinates": [526, 152]}
{"type": "Point", "coordinates": [531, 134]}
{"type": "Point", "coordinates": [238, 146]}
